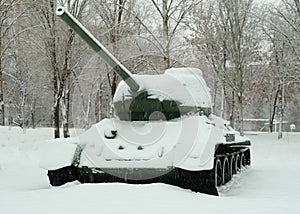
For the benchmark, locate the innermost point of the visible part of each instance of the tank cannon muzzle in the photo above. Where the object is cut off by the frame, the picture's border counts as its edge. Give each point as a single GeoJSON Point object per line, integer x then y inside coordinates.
{"type": "Point", "coordinates": [116, 65]}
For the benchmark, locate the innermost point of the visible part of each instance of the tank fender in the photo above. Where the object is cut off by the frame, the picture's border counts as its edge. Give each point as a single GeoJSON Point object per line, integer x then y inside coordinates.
{"type": "Point", "coordinates": [56, 154]}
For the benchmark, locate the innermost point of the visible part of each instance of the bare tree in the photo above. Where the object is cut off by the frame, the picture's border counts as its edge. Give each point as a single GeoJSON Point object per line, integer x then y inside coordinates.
{"type": "Point", "coordinates": [224, 35]}
{"type": "Point", "coordinates": [6, 22]}
{"type": "Point", "coordinates": [236, 14]}
{"type": "Point", "coordinates": [118, 19]}
{"type": "Point", "coordinates": [76, 8]}
{"type": "Point", "coordinates": [58, 47]}
{"type": "Point", "coordinates": [172, 14]}
{"type": "Point", "coordinates": [210, 37]}
{"type": "Point", "coordinates": [17, 68]}
{"type": "Point", "coordinates": [282, 30]}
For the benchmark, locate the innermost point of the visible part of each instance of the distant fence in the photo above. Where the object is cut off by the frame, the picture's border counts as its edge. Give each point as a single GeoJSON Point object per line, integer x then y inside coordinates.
{"type": "Point", "coordinates": [263, 125]}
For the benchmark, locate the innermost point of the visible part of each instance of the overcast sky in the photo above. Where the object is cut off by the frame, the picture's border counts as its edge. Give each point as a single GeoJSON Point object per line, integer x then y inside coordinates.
{"type": "Point", "coordinates": [267, 1]}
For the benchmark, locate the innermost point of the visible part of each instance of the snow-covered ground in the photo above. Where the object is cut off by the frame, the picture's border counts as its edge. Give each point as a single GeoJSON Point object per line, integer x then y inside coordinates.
{"type": "Point", "coordinates": [270, 185]}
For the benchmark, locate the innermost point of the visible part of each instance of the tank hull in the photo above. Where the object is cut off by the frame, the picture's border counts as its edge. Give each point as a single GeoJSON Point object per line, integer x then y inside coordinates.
{"type": "Point", "coordinates": [99, 159]}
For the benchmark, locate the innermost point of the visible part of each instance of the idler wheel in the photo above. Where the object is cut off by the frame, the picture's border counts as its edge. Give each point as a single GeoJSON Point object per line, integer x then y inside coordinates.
{"type": "Point", "coordinates": [218, 172]}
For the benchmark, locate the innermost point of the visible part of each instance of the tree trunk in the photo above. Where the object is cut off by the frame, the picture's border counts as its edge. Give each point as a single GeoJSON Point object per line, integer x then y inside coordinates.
{"type": "Point", "coordinates": [66, 82]}
{"type": "Point", "coordinates": [274, 110]}
{"type": "Point", "coordinates": [56, 86]}
{"type": "Point", "coordinates": [241, 114]}
{"type": "Point", "coordinates": [215, 91]}
{"type": "Point", "coordinates": [232, 114]}
{"type": "Point", "coordinates": [240, 93]}
{"type": "Point", "coordinates": [65, 113]}
{"type": "Point", "coordinates": [56, 119]}
{"type": "Point", "coordinates": [23, 96]}
{"type": "Point", "coordinates": [2, 115]}
{"type": "Point", "coordinates": [98, 100]}
{"type": "Point", "coordinates": [113, 83]}
{"type": "Point", "coordinates": [280, 108]}
{"type": "Point", "coordinates": [32, 112]}
{"type": "Point", "coordinates": [165, 18]}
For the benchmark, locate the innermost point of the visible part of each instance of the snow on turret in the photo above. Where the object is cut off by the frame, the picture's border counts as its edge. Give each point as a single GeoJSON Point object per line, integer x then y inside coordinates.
{"type": "Point", "coordinates": [185, 85]}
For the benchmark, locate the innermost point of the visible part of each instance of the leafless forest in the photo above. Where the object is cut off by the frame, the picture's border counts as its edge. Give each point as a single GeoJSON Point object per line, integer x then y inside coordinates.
{"type": "Point", "coordinates": [249, 53]}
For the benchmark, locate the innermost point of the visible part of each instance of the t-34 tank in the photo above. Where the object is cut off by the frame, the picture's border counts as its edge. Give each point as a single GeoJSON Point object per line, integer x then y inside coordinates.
{"type": "Point", "coordinates": [163, 131]}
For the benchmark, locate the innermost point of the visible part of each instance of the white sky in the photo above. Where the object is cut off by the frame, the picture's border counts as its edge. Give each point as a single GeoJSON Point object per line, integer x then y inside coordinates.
{"type": "Point", "coordinates": [267, 1]}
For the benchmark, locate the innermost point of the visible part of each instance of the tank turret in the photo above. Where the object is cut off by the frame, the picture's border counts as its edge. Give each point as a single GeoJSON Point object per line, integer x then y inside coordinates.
{"type": "Point", "coordinates": [168, 96]}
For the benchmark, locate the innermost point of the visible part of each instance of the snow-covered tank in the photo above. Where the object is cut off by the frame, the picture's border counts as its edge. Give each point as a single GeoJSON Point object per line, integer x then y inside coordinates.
{"type": "Point", "coordinates": [163, 131]}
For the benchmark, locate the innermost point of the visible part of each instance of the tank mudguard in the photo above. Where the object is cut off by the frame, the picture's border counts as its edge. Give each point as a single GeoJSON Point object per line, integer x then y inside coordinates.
{"type": "Point", "coordinates": [58, 153]}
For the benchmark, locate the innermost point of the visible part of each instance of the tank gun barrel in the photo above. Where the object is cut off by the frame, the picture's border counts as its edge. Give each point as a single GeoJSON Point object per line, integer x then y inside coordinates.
{"type": "Point", "coordinates": [116, 65]}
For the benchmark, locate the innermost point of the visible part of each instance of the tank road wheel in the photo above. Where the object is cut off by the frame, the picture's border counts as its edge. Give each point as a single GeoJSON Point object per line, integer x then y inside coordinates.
{"type": "Point", "coordinates": [243, 160]}
{"type": "Point", "coordinates": [218, 173]}
{"type": "Point", "coordinates": [232, 165]}
{"type": "Point", "coordinates": [238, 163]}
{"type": "Point", "coordinates": [226, 175]}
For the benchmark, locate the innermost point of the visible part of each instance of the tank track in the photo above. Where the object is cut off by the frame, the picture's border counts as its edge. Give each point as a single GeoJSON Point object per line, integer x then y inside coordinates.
{"type": "Point", "coordinates": [198, 181]}
{"type": "Point", "coordinates": [228, 161]}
